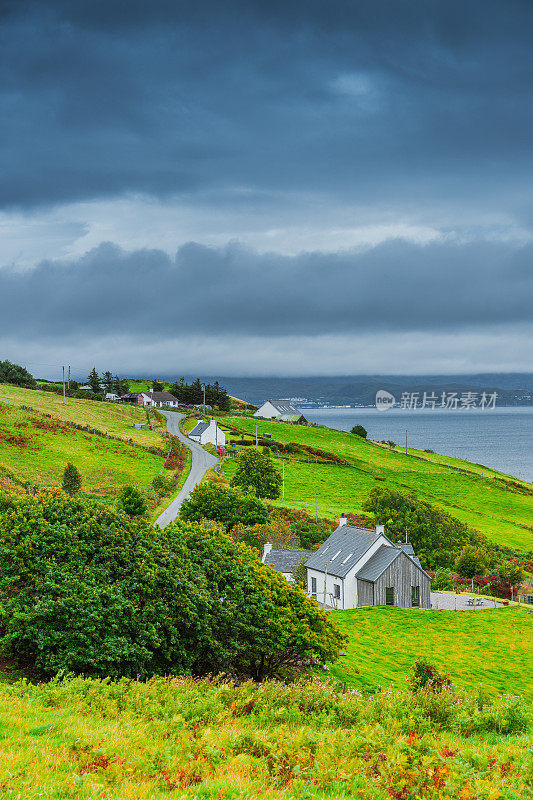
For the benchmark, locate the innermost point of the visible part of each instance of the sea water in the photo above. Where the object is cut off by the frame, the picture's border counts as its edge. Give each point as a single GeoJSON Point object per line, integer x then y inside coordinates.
{"type": "Point", "coordinates": [501, 438]}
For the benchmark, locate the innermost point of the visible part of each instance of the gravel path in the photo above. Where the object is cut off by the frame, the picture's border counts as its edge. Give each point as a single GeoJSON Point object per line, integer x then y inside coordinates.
{"type": "Point", "coordinates": [459, 602]}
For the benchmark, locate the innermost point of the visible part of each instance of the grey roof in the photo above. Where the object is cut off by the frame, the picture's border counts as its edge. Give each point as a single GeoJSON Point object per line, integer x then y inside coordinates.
{"type": "Point", "coordinates": [286, 560]}
{"type": "Point", "coordinates": [342, 550]}
{"type": "Point", "coordinates": [378, 563]}
{"type": "Point", "coordinates": [407, 547]}
{"type": "Point", "coordinates": [284, 406]}
{"type": "Point", "coordinates": [199, 428]}
{"type": "Point", "coordinates": [160, 397]}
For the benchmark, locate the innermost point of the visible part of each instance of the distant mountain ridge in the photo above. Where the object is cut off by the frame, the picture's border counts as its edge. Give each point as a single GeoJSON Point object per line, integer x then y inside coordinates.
{"type": "Point", "coordinates": [514, 389]}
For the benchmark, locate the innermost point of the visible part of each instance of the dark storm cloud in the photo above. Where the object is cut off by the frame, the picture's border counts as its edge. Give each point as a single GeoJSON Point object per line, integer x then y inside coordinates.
{"type": "Point", "coordinates": [397, 286]}
{"type": "Point", "coordinates": [363, 99]}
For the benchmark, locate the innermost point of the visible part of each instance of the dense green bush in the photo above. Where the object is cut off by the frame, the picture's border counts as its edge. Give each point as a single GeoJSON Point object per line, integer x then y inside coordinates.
{"type": "Point", "coordinates": [15, 374]}
{"type": "Point", "coordinates": [437, 537]}
{"type": "Point", "coordinates": [223, 503]}
{"type": "Point", "coordinates": [257, 471]}
{"type": "Point", "coordinates": [71, 480]}
{"type": "Point", "coordinates": [131, 501]}
{"type": "Point", "coordinates": [89, 590]}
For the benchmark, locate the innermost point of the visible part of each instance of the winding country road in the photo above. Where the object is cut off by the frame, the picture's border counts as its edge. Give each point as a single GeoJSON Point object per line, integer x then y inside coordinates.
{"type": "Point", "coordinates": [201, 461]}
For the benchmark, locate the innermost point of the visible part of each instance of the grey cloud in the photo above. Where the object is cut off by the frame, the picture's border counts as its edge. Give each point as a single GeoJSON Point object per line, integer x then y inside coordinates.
{"type": "Point", "coordinates": [105, 98]}
{"type": "Point", "coordinates": [396, 286]}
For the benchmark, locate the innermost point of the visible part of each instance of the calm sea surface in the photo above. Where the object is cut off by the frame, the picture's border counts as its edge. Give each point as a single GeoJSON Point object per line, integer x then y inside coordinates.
{"type": "Point", "coordinates": [501, 438]}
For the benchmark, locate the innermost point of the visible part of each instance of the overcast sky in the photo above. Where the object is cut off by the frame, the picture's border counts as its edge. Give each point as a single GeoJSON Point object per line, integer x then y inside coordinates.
{"type": "Point", "coordinates": [266, 188]}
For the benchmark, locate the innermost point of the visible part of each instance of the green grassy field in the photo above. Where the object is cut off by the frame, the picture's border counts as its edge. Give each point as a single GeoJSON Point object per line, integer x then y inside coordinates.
{"type": "Point", "coordinates": [492, 649]}
{"type": "Point", "coordinates": [490, 501]}
{"type": "Point", "coordinates": [107, 417]}
{"type": "Point", "coordinates": [37, 450]}
{"type": "Point", "coordinates": [184, 738]}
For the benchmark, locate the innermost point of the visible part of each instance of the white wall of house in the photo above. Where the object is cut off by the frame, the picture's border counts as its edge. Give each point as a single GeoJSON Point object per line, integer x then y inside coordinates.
{"type": "Point", "coordinates": [267, 411]}
{"type": "Point", "coordinates": [348, 584]}
{"type": "Point", "coordinates": [212, 435]}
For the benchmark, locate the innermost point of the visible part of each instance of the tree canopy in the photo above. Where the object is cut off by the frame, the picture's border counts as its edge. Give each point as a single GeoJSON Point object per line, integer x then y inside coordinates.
{"type": "Point", "coordinates": [257, 471]}
{"type": "Point", "coordinates": [15, 374]}
{"type": "Point", "coordinates": [223, 503]}
{"type": "Point", "coordinates": [437, 537]}
{"type": "Point", "coordinates": [86, 589]}
{"type": "Point", "coordinates": [358, 430]}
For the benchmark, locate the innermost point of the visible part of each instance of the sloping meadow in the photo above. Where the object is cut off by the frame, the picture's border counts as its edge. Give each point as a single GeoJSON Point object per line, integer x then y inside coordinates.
{"type": "Point", "coordinates": [187, 738]}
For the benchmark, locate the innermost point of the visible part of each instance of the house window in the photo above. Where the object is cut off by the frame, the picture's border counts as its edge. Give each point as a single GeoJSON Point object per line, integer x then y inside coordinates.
{"type": "Point", "coordinates": [313, 585]}
{"type": "Point", "coordinates": [389, 596]}
{"type": "Point", "coordinates": [336, 591]}
{"type": "Point", "coordinates": [415, 596]}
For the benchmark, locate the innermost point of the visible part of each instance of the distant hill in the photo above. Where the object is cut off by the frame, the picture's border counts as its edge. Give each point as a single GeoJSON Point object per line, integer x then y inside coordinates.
{"type": "Point", "coordinates": [512, 388]}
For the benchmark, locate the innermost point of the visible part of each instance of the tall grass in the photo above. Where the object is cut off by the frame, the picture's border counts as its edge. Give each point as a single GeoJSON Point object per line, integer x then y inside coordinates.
{"type": "Point", "coordinates": [189, 738]}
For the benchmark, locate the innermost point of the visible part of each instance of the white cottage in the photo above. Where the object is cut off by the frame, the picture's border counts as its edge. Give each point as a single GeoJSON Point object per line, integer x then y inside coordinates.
{"type": "Point", "coordinates": [158, 399]}
{"type": "Point", "coordinates": [208, 433]}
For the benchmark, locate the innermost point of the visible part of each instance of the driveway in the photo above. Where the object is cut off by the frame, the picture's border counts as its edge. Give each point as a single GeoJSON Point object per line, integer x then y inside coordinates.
{"type": "Point", "coordinates": [459, 602]}
{"type": "Point", "coordinates": [201, 461]}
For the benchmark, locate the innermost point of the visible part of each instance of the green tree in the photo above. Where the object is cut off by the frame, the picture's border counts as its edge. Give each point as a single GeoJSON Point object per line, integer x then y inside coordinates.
{"type": "Point", "coordinates": [223, 503]}
{"type": "Point", "coordinates": [101, 594]}
{"type": "Point", "coordinates": [358, 430]}
{"type": "Point", "coordinates": [471, 561]}
{"type": "Point", "coordinates": [510, 572]}
{"type": "Point", "coordinates": [259, 623]}
{"type": "Point", "coordinates": [131, 501]}
{"type": "Point", "coordinates": [157, 386]}
{"type": "Point", "coordinates": [71, 480]}
{"type": "Point", "coordinates": [94, 381]}
{"type": "Point", "coordinates": [108, 381]}
{"type": "Point", "coordinates": [258, 471]}
{"type": "Point", "coordinates": [437, 537]}
{"type": "Point", "coordinates": [17, 375]}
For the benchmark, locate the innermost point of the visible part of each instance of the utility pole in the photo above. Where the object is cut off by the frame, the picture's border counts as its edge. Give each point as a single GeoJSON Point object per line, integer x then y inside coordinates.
{"type": "Point", "coordinates": [64, 385]}
{"type": "Point", "coordinates": [325, 582]}
{"type": "Point", "coordinates": [256, 435]}
{"type": "Point", "coordinates": [203, 387]}
{"type": "Point", "coordinates": [405, 442]}
{"type": "Point", "coordinates": [68, 381]}
{"type": "Point", "coordinates": [283, 479]}
{"type": "Point", "coordinates": [316, 508]}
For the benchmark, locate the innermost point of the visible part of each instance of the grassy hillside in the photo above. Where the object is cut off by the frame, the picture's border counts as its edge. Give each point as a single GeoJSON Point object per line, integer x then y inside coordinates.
{"type": "Point", "coordinates": [185, 738]}
{"type": "Point", "coordinates": [110, 418]}
{"type": "Point", "coordinates": [37, 449]}
{"type": "Point", "coordinates": [492, 649]}
{"type": "Point", "coordinates": [495, 504]}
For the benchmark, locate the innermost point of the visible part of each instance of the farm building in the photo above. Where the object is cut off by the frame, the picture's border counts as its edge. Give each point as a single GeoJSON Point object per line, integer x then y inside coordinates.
{"type": "Point", "coordinates": [358, 567]}
{"type": "Point", "coordinates": [281, 411]}
{"type": "Point", "coordinates": [208, 433]}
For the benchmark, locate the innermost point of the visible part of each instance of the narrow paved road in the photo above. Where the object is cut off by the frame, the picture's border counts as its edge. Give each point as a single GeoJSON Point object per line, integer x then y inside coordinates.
{"type": "Point", "coordinates": [201, 461]}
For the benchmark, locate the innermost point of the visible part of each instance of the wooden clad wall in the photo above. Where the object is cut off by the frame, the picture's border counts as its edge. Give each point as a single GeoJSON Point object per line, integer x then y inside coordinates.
{"type": "Point", "coordinates": [402, 574]}
{"type": "Point", "coordinates": [365, 593]}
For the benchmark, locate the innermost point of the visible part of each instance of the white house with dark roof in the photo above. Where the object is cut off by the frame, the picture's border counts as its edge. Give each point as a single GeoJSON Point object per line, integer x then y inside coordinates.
{"type": "Point", "coordinates": [361, 567]}
{"type": "Point", "coordinates": [158, 399]}
{"type": "Point", "coordinates": [208, 433]}
{"type": "Point", "coordinates": [281, 411]}
{"type": "Point", "coordinates": [284, 561]}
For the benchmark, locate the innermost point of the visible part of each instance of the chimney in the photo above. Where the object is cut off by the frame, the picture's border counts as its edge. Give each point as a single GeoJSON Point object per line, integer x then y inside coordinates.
{"type": "Point", "coordinates": [266, 550]}
{"type": "Point", "coordinates": [342, 520]}
{"type": "Point", "coordinates": [380, 529]}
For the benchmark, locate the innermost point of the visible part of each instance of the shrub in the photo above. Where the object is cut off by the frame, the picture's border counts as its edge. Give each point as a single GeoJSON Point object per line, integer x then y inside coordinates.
{"type": "Point", "coordinates": [471, 561]}
{"type": "Point", "coordinates": [223, 503]}
{"type": "Point", "coordinates": [71, 480]}
{"type": "Point", "coordinates": [425, 675]}
{"type": "Point", "coordinates": [358, 430]}
{"type": "Point", "coordinates": [131, 501]}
